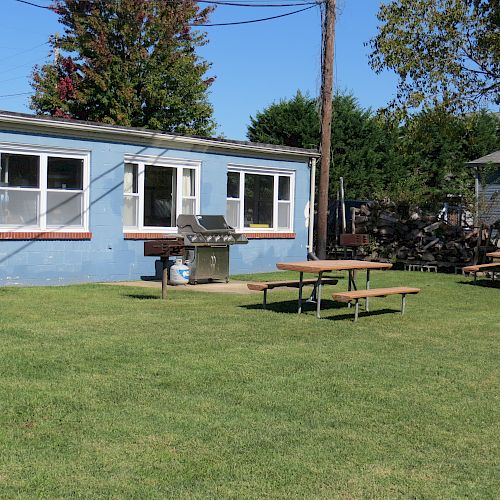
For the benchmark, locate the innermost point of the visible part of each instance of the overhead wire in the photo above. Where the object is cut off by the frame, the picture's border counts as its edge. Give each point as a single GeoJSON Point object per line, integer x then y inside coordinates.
{"type": "Point", "coordinates": [239, 4]}
{"type": "Point", "coordinates": [310, 5]}
{"type": "Point", "coordinates": [34, 4]}
{"type": "Point", "coordinates": [253, 20]}
{"type": "Point", "coordinates": [15, 95]}
{"type": "Point", "coordinates": [24, 51]}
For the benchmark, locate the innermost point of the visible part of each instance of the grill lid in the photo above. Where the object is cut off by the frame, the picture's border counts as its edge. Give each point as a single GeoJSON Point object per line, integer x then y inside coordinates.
{"type": "Point", "coordinates": [210, 230]}
{"type": "Point", "coordinates": [204, 224]}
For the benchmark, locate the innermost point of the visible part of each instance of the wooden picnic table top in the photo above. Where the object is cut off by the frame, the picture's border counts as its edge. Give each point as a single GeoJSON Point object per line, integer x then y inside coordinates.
{"type": "Point", "coordinates": [495, 255]}
{"type": "Point", "coordinates": [319, 266]}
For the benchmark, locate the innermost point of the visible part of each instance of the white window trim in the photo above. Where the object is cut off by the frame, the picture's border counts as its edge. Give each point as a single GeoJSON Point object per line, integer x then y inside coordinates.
{"type": "Point", "coordinates": [43, 152]}
{"type": "Point", "coordinates": [161, 161]}
{"type": "Point", "coordinates": [276, 173]}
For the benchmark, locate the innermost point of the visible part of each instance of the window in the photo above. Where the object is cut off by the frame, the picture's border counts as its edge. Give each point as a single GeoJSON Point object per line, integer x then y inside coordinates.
{"type": "Point", "coordinates": [157, 190]}
{"type": "Point", "coordinates": [259, 200]}
{"type": "Point", "coordinates": [40, 191]}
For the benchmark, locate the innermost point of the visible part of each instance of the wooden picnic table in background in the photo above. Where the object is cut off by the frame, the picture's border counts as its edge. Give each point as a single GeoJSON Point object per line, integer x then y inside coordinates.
{"type": "Point", "coordinates": [494, 255]}
{"type": "Point", "coordinates": [321, 266]}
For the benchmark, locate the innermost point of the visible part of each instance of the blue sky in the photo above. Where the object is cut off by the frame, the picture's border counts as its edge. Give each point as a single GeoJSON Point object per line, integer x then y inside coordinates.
{"type": "Point", "coordinates": [254, 64]}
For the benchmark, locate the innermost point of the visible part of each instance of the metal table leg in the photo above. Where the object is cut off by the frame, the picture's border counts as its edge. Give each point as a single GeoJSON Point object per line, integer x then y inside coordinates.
{"type": "Point", "coordinates": [351, 283]}
{"type": "Point", "coordinates": [301, 283]}
{"type": "Point", "coordinates": [349, 280]}
{"type": "Point", "coordinates": [318, 298]}
{"type": "Point", "coordinates": [367, 305]}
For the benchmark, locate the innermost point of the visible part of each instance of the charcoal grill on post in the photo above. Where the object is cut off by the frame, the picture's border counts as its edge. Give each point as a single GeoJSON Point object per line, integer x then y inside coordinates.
{"type": "Point", "coordinates": [207, 239]}
{"type": "Point", "coordinates": [171, 246]}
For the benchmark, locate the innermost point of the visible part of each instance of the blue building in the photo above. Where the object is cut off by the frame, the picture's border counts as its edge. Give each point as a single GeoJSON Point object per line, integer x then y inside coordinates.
{"type": "Point", "coordinates": [78, 199]}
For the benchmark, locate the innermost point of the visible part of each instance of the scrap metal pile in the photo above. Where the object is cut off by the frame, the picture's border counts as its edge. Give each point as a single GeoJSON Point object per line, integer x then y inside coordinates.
{"type": "Point", "coordinates": [418, 237]}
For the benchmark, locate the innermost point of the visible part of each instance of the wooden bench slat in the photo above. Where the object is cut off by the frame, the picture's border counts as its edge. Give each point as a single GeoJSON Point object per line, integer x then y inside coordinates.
{"type": "Point", "coordinates": [269, 285]}
{"type": "Point", "coordinates": [478, 267]}
{"type": "Point", "coordinates": [373, 292]}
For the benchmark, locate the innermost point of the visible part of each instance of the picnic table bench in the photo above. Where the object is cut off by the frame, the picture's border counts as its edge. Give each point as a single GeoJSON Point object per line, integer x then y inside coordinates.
{"type": "Point", "coordinates": [493, 267]}
{"type": "Point", "coordinates": [374, 292]}
{"type": "Point", "coordinates": [264, 286]}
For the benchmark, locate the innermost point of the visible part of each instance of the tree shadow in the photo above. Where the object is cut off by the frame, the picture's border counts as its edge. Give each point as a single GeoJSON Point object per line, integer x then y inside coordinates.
{"type": "Point", "coordinates": [291, 306]}
{"type": "Point", "coordinates": [484, 283]}
{"type": "Point", "coordinates": [141, 296]}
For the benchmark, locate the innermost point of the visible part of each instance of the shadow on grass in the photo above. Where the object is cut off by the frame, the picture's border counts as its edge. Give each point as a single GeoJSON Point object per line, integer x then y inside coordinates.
{"type": "Point", "coordinates": [141, 296]}
{"type": "Point", "coordinates": [290, 306]}
{"type": "Point", "coordinates": [363, 314]}
{"type": "Point", "coordinates": [485, 283]}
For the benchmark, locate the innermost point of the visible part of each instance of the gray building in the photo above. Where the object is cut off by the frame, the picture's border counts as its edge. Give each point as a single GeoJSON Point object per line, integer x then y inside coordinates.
{"type": "Point", "coordinates": [487, 187]}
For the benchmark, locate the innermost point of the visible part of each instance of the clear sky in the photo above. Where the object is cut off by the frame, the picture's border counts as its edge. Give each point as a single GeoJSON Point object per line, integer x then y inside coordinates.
{"type": "Point", "coordinates": [254, 64]}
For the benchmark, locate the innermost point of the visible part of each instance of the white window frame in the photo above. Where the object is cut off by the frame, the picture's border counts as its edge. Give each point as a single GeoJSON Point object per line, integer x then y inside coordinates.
{"type": "Point", "coordinates": [179, 164]}
{"type": "Point", "coordinates": [43, 153]}
{"type": "Point", "coordinates": [270, 171]}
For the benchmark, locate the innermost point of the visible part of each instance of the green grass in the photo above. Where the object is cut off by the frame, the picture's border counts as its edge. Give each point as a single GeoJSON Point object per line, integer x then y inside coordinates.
{"type": "Point", "coordinates": [110, 392]}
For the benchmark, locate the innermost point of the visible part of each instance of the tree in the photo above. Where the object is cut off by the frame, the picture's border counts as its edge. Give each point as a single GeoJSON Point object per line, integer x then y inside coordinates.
{"type": "Point", "coordinates": [434, 149]}
{"type": "Point", "coordinates": [362, 144]}
{"type": "Point", "coordinates": [293, 122]}
{"type": "Point", "coordinates": [128, 62]}
{"type": "Point", "coordinates": [421, 161]}
{"type": "Point", "coordinates": [445, 52]}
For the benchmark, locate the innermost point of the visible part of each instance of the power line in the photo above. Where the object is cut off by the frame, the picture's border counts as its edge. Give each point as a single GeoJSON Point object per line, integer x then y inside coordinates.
{"type": "Point", "coordinates": [24, 51]}
{"type": "Point", "coordinates": [15, 95]}
{"type": "Point", "coordinates": [253, 20]}
{"type": "Point", "coordinates": [238, 4]}
{"type": "Point", "coordinates": [217, 2]}
{"type": "Point", "coordinates": [14, 78]}
{"type": "Point", "coordinates": [34, 4]}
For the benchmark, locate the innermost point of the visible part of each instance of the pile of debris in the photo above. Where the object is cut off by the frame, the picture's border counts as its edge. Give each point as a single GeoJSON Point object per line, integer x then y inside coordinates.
{"type": "Point", "coordinates": [409, 235]}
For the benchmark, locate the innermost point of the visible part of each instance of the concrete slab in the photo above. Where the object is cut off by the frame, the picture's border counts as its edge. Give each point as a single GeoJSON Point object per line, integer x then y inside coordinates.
{"type": "Point", "coordinates": [234, 287]}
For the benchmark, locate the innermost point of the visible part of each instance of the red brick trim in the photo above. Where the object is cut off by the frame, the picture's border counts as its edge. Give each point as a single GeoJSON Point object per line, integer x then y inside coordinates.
{"type": "Point", "coordinates": [148, 236]}
{"type": "Point", "coordinates": [270, 236]}
{"type": "Point", "coordinates": [47, 235]}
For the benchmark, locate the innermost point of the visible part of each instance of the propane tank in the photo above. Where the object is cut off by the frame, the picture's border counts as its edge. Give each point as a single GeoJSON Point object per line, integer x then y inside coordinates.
{"type": "Point", "coordinates": [179, 273]}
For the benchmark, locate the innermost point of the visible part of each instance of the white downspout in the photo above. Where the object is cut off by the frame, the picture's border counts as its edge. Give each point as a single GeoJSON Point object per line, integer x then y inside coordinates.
{"type": "Point", "coordinates": [476, 188]}
{"type": "Point", "coordinates": [312, 193]}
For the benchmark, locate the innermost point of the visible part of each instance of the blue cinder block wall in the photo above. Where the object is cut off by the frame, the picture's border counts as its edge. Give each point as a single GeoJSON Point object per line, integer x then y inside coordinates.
{"type": "Point", "coordinates": [107, 256]}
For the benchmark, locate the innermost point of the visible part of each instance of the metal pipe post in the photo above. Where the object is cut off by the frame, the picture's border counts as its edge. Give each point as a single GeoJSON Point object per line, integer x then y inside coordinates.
{"type": "Point", "coordinates": [318, 297]}
{"type": "Point", "coordinates": [349, 288]}
{"type": "Point", "coordinates": [367, 304]}
{"type": "Point", "coordinates": [164, 281]}
{"type": "Point", "coordinates": [301, 276]}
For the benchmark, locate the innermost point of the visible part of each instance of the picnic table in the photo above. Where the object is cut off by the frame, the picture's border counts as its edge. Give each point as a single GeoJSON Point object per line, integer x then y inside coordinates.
{"type": "Point", "coordinates": [494, 255]}
{"type": "Point", "coordinates": [322, 266]}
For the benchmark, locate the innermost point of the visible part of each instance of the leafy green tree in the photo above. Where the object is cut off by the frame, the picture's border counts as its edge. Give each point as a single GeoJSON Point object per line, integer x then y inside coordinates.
{"type": "Point", "coordinates": [362, 150]}
{"type": "Point", "coordinates": [292, 122]}
{"type": "Point", "coordinates": [445, 52]}
{"type": "Point", "coordinates": [362, 144]}
{"type": "Point", "coordinates": [128, 62]}
{"type": "Point", "coordinates": [435, 147]}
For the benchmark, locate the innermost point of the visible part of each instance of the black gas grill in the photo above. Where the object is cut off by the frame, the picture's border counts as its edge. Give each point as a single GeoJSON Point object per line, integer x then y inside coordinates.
{"type": "Point", "coordinates": [207, 239]}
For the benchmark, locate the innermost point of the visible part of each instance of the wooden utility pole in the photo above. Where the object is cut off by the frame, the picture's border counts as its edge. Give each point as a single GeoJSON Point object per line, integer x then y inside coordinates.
{"type": "Point", "coordinates": [326, 124]}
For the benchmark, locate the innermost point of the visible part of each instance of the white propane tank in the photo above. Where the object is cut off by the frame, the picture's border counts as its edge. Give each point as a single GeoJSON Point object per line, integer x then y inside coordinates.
{"type": "Point", "coordinates": [179, 273]}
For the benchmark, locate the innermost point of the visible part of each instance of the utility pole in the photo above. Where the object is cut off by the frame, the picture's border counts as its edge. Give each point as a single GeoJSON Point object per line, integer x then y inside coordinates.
{"type": "Point", "coordinates": [56, 47]}
{"type": "Point", "coordinates": [326, 124]}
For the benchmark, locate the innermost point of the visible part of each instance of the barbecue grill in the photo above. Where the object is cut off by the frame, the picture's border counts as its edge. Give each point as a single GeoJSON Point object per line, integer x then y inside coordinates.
{"type": "Point", "coordinates": [204, 242]}
{"type": "Point", "coordinates": [207, 239]}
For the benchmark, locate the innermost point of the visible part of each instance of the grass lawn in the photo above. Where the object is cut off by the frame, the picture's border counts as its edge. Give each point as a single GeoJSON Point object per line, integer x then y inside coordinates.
{"type": "Point", "coordinates": [108, 391]}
